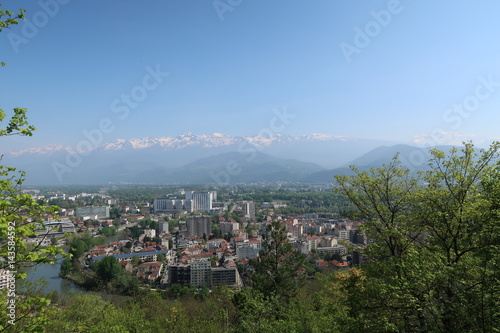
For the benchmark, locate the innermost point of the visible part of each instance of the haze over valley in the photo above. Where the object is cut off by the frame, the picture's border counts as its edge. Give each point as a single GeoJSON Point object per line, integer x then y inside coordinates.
{"type": "Point", "coordinates": [209, 159]}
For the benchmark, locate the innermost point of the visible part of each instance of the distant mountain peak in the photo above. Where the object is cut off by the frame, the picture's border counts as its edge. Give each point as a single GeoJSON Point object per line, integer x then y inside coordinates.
{"type": "Point", "coordinates": [189, 139]}
{"type": "Point", "coordinates": [214, 140]}
{"type": "Point", "coordinates": [41, 150]}
{"type": "Point", "coordinates": [317, 136]}
{"type": "Point", "coordinates": [199, 158]}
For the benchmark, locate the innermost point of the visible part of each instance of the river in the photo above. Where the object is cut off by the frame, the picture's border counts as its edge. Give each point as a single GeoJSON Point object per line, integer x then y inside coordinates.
{"type": "Point", "coordinates": [49, 273]}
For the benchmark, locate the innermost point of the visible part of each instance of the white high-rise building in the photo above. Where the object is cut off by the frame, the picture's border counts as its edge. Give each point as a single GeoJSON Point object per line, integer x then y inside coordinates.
{"type": "Point", "coordinates": [201, 201]}
{"type": "Point", "coordinates": [194, 202]}
{"type": "Point", "coordinates": [167, 205]}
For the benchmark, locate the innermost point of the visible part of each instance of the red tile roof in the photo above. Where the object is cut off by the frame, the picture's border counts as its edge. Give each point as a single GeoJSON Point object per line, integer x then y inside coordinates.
{"type": "Point", "coordinates": [339, 264]}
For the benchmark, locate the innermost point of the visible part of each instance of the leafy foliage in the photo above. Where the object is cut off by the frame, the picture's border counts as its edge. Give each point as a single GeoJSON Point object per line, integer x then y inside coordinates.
{"type": "Point", "coordinates": [8, 18]}
{"type": "Point", "coordinates": [279, 269]}
{"type": "Point", "coordinates": [108, 269]}
{"type": "Point", "coordinates": [66, 267]}
{"type": "Point", "coordinates": [435, 251]}
{"type": "Point", "coordinates": [18, 124]}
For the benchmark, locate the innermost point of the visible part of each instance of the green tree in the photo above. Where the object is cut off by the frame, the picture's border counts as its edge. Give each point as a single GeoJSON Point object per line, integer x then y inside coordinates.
{"type": "Point", "coordinates": [135, 231]}
{"type": "Point", "coordinates": [108, 269]}
{"type": "Point", "coordinates": [114, 213]}
{"type": "Point", "coordinates": [383, 197]}
{"type": "Point", "coordinates": [125, 283]}
{"type": "Point", "coordinates": [279, 269]}
{"type": "Point", "coordinates": [176, 290]}
{"type": "Point", "coordinates": [8, 18]}
{"type": "Point", "coordinates": [109, 231]}
{"type": "Point", "coordinates": [136, 259]}
{"type": "Point", "coordinates": [78, 248]}
{"type": "Point", "coordinates": [66, 267]}
{"type": "Point", "coordinates": [89, 313]}
{"type": "Point", "coordinates": [434, 252]}
{"type": "Point", "coordinates": [216, 232]}
{"type": "Point", "coordinates": [458, 211]}
{"type": "Point", "coordinates": [154, 225]}
{"type": "Point", "coordinates": [203, 293]}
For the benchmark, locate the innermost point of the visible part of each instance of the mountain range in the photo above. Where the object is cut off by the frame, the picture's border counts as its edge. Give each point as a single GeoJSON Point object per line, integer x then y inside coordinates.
{"type": "Point", "coordinates": [215, 158]}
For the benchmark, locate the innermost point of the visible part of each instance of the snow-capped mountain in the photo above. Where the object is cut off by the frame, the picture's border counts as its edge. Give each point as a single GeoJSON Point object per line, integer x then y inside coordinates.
{"type": "Point", "coordinates": [141, 159]}
{"type": "Point", "coordinates": [214, 140]}
{"type": "Point", "coordinates": [41, 150]}
{"type": "Point", "coordinates": [189, 139]}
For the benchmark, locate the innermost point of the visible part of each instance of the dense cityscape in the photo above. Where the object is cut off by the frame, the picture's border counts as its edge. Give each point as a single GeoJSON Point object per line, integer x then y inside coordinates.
{"type": "Point", "coordinates": [200, 241]}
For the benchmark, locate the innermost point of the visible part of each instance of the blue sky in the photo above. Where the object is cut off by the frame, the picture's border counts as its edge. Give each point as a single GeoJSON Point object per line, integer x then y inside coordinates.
{"type": "Point", "coordinates": [404, 70]}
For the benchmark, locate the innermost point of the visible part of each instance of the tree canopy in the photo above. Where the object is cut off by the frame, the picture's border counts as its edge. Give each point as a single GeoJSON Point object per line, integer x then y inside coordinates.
{"type": "Point", "coordinates": [279, 269]}
{"type": "Point", "coordinates": [433, 242]}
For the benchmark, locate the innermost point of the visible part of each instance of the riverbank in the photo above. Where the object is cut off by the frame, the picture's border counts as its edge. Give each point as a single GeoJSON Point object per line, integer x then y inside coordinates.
{"type": "Point", "coordinates": [80, 280]}
{"type": "Point", "coordinates": [49, 274]}
{"type": "Point", "coordinates": [47, 277]}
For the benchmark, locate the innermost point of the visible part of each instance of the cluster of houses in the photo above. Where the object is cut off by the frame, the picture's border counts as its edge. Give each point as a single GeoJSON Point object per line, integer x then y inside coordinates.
{"type": "Point", "coordinates": [193, 262]}
{"type": "Point", "coordinates": [190, 255]}
{"type": "Point", "coordinates": [321, 235]}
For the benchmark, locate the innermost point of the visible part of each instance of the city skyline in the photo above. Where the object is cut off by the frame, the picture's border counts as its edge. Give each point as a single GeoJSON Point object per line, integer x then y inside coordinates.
{"type": "Point", "coordinates": [400, 71]}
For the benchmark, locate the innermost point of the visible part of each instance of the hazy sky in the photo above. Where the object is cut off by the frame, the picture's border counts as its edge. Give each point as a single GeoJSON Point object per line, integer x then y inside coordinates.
{"type": "Point", "coordinates": [394, 70]}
